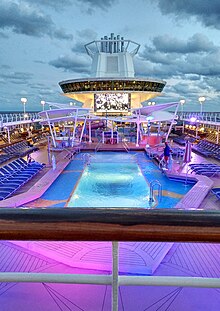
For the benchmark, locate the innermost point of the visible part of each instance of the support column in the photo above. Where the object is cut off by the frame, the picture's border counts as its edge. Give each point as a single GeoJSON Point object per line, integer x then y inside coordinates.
{"type": "Point", "coordinates": [74, 128]}
{"type": "Point", "coordinates": [138, 129]}
{"type": "Point", "coordinates": [9, 138]}
{"type": "Point", "coordinates": [112, 133]}
{"type": "Point", "coordinates": [168, 133]}
{"type": "Point", "coordinates": [90, 132]}
{"type": "Point", "coordinates": [51, 131]}
{"type": "Point", "coordinates": [83, 128]}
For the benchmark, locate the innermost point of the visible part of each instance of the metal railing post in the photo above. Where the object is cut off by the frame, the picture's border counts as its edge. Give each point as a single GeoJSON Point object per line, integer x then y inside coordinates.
{"type": "Point", "coordinates": [114, 276]}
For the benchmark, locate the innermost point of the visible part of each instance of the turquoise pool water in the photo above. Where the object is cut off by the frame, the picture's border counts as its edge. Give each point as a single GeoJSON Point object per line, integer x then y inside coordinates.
{"type": "Point", "coordinates": [113, 179]}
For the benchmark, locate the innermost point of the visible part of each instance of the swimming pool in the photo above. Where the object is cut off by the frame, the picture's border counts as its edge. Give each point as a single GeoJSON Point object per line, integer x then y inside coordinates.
{"type": "Point", "coordinates": [113, 179]}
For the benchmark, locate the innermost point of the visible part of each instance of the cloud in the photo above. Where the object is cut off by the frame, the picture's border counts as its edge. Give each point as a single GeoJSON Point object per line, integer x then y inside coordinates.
{"type": "Point", "coordinates": [91, 5]}
{"type": "Point", "coordinates": [167, 56]}
{"type": "Point", "coordinates": [207, 12]}
{"type": "Point", "coordinates": [3, 35]}
{"type": "Point", "coordinates": [197, 43]}
{"type": "Point", "coordinates": [191, 67]}
{"type": "Point", "coordinates": [83, 37]}
{"type": "Point", "coordinates": [5, 66]}
{"type": "Point", "coordinates": [16, 77]}
{"type": "Point", "coordinates": [77, 64]}
{"type": "Point", "coordinates": [22, 18]}
{"type": "Point", "coordinates": [61, 34]}
{"type": "Point", "coordinates": [54, 4]}
{"type": "Point", "coordinates": [88, 5]}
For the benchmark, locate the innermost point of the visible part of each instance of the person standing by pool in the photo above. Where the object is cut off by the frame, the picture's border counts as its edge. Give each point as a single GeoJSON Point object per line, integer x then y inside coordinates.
{"type": "Point", "coordinates": [166, 153]}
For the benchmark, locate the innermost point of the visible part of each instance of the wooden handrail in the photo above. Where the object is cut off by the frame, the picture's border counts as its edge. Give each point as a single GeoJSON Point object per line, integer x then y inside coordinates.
{"type": "Point", "coordinates": [109, 224]}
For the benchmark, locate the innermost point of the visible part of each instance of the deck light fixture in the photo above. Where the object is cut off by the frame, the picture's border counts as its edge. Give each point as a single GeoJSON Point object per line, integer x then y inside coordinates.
{"type": "Point", "coordinates": [182, 102]}
{"type": "Point", "coordinates": [43, 103]}
{"type": "Point", "coordinates": [201, 100]}
{"type": "Point", "coordinates": [24, 100]}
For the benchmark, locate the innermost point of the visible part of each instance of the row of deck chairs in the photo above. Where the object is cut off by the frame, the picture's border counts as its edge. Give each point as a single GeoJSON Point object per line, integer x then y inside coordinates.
{"type": "Point", "coordinates": [5, 157]}
{"type": "Point", "coordinates": [20, 149]}
{"type": "Point", "coordinates": [207, 169]}
{"type": "Point", "coordinates": [216, 192]}
{"type": "Point", "coordinates": [181, 140]}
{"type": "Point", "coordinates": [15, 174]}
{"type": "Point", "coordinates": [207, 149]}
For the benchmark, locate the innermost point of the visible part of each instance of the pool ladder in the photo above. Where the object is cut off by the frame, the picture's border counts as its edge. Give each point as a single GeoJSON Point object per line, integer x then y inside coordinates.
{"type": "Point", "coordinates": [153, 184]}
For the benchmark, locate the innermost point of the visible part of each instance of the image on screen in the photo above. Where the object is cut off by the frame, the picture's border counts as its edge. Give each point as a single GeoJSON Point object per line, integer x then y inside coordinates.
{"type": "Point", "coordinates": [111, 102]}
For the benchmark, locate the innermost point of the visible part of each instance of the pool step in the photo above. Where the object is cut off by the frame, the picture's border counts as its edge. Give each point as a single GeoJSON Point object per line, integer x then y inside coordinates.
{"type": "Point", "coordinates": [134, 257]}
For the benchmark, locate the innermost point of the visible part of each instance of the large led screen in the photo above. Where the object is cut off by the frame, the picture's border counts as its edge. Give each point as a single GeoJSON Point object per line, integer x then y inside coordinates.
{"type": "Point", "coordinates": [112, 102]}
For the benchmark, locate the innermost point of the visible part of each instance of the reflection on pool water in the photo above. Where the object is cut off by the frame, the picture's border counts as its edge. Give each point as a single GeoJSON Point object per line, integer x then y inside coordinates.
{"type": "Point", "coordinates": [121, 180]}
{"type": "Point", "coordinates": [111, 185]}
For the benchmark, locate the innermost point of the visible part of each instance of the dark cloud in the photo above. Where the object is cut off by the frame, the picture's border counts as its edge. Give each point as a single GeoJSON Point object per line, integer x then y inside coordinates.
{"type": "Point", "coordinates": [207, 12]}
{"type": "Point", "coordinates": [197, 43]}
{"type": "Point", "coordinates": [16, 77]}
{"type": "Point", "coordinates": [39, 62]}
{"type": "Point", "coordinates": [62, 35]}
{"type": "Point", "coordinates": [88, 5]}
{"type": "Point", "coordinates": [23, 18]}
{"type": "Point", "coordinates": [54, 4]}
{"type": "Point", "coordinates": [73, 64]}
{"type": "Point", "coordinates": [36, 86]}
{"type": "Point", "coordinates": [5, 66]}
{"type": "Point", "coordinates": [102, 4]}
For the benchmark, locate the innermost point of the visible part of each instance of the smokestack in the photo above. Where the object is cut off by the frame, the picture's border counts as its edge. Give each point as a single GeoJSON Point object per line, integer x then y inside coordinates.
{"type": "Point", "coordinates": [122, 44]}
{"type": "Point", "coordinates": [106, 44]}
{"type": "Point", "coordinates": [115, 45]}
{"type": "Point", "coordinates": [102, 45]}
{"type": "Point", "coordinates": [118, 39]}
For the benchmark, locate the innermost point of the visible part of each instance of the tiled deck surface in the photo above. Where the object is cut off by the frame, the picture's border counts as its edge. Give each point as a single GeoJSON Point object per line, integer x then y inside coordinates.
{"type": "Point", "coordinates": [136, 258]}
{"type": "Point", "coordinates": [194, 198]}
{"type": "Point", "coordinates": [182, 260]}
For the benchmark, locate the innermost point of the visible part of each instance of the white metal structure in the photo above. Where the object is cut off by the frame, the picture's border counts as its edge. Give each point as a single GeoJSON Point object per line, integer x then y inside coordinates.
{"type": "Point", "coordinates": [112, 57]}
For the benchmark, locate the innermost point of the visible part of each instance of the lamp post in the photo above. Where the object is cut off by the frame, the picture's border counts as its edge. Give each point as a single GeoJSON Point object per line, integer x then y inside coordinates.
{"type": "Point", "coordinates": [182, 102]}
{"type": "Point", "coordinates": [201, 100]}
{"type": "Point", "coordinates": [43, 103]}
{"type": "Point", "coordinates": [24, 100]}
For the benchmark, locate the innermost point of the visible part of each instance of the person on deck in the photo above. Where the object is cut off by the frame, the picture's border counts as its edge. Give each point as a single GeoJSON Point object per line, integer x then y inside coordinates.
{"type": "Point", "coordinates": [166, 153]}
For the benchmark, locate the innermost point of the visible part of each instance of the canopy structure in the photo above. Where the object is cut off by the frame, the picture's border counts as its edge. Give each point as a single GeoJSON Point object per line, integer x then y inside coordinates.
{"type": "Point", "coordinates": [65, 113]}
{"type": "Point", "coordinates": [147, 110]}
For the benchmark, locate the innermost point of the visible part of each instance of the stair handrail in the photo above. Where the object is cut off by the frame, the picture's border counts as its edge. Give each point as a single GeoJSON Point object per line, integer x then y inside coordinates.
{"type": "Point", "coordinates": [98, 144]}
{"type": "Point", "coordinates": [125, 146]}
{"type": "Point", "coordinates": [153, 184]}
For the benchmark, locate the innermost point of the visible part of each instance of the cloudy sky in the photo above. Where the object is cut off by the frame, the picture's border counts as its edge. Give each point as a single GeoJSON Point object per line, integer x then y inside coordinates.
{"type": "Point", "coordinates": [42, 43]}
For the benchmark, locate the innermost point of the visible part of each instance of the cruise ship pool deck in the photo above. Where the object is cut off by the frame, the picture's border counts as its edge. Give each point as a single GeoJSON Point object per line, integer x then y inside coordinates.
{"type": "Point", "coordinates": [56, 189]}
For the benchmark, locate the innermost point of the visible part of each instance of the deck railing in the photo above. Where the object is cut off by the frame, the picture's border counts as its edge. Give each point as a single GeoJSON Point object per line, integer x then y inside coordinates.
{"type": "Point", "coordinates": [111, 224]}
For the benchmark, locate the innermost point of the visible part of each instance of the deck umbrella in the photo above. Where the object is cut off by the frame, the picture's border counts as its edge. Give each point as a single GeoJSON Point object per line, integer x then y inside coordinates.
{"type": "Point", "coordinates": [187, 156]}
{"type": "Point", "coordinates": [187, 153]}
